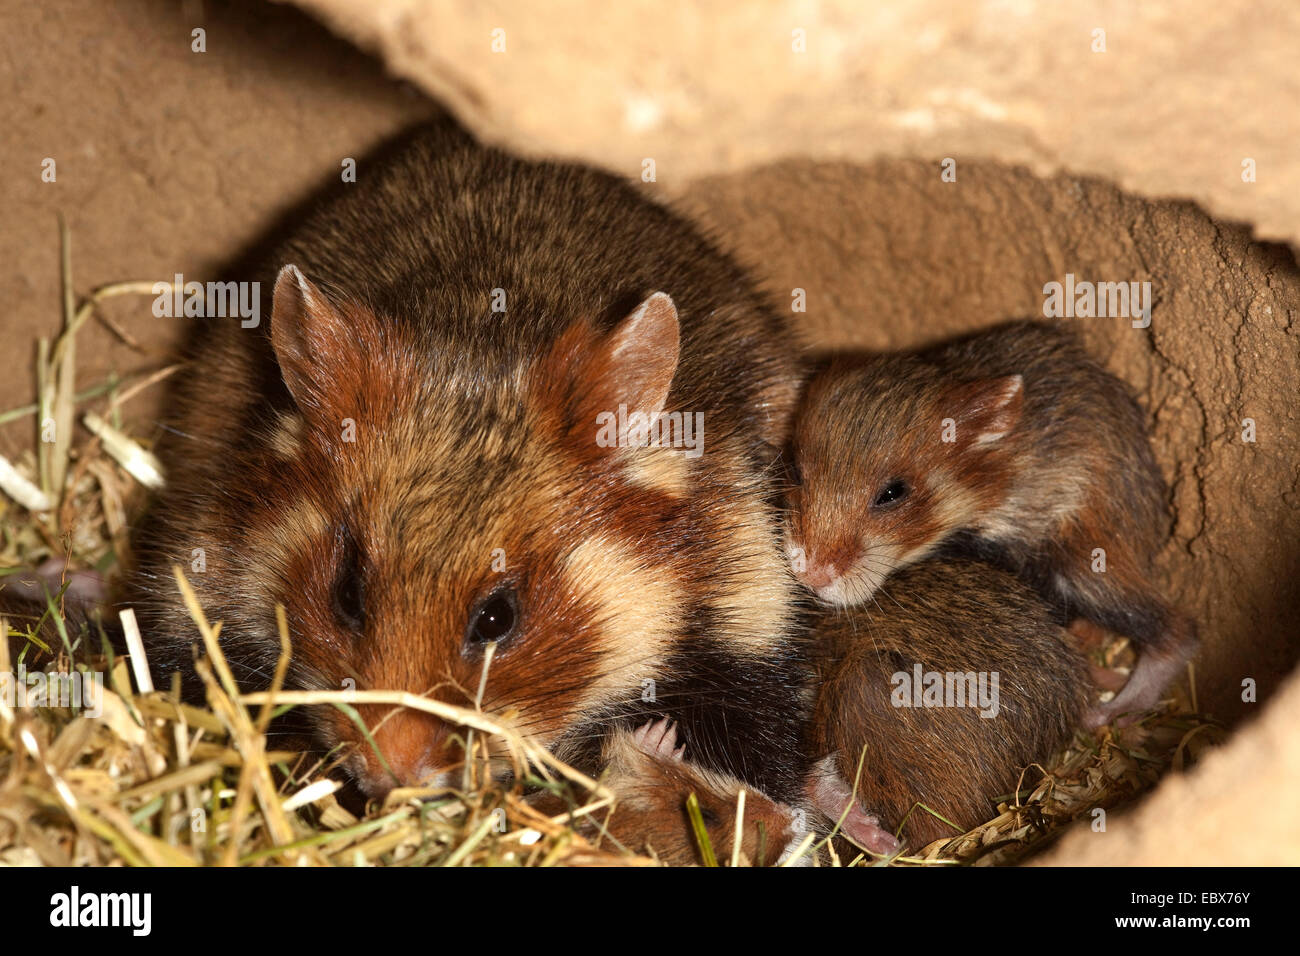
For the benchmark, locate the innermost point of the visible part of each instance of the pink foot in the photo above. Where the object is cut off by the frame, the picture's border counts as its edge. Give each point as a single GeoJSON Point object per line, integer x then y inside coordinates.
{"type": "Point", "coordinates": [85, 588]}
{"type": "Point", "coordinates": [1157, 667]}
{"type": "Point", "coordinates": [831, 795]}
{"type": "Point", "coordinates": [659, 739]}
{"type": "Point", "coordinates": [1107, 678]}
{"type": "Point", "coordinates": [865, 830]}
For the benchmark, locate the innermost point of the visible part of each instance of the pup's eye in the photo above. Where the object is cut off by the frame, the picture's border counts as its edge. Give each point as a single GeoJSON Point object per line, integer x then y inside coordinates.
{"type": "Point", "coordinates": [494, 620]}
{"type": "Point", "coordinates": [793, 472]}
{"type": "Point", "coordinates": [894, 491]}
{"type": "Point", "coordinates": [349, 584]}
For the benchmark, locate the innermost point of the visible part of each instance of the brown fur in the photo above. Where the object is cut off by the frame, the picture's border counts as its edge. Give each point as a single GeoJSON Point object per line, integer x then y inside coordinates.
{"type": "Point", "coordinates": [475, 431]}
{"type": "Point", "coordinates": [1038, 477]}
{"type": "Point", "coordinates": [949, 616]}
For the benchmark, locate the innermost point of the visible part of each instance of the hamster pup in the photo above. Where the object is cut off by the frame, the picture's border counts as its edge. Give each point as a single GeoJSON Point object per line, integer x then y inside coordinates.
{"type": "Point", "coordinates": [1010, 443]}
{"type": "Point", "coordinates": [958, 680]}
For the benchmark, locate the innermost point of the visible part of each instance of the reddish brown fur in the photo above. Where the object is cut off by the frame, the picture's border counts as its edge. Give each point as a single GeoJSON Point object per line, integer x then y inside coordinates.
{"type": "Point", "coordinates": [832, 506]}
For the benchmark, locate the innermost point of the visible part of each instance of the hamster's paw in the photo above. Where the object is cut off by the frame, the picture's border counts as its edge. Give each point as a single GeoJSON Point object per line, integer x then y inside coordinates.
{"type": "Point", "coordinates": [865, 830]}
{"type": "Point", "coordinates": [1108, 713]}
{"type": "Point", "coordinates": [1108, 678]}
{"type": "Point", "coordinates": [659, 739]}
{"type": "Point", "coordinates": [834, 798]}
{"type": "Point", "coordinates": [1157, 668]}
{"type": "Point", "coordinates": [84, 588]}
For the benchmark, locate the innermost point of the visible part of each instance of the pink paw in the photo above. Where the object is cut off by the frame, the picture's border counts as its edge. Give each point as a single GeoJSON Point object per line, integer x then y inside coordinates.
{"type": "Point", "coordinates": [1104, 714]}
{"type": "Point", "coordinates": [659, 739]}
{"type": "Point", "coordinates": [865, 830]}
{"type": "Point", "coordinates": [85, 588]}
{"type": "Point", "coordinates": [830, 794]}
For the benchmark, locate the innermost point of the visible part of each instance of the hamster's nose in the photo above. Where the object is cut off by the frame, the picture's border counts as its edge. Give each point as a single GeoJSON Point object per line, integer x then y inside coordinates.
{"type": "Point", "coordinates": [415, 749]}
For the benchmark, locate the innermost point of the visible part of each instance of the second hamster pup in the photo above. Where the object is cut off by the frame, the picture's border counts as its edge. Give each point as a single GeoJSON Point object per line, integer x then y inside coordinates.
{"type": "Point", "coordinates": [1012, 443]}
{"type": "Point", "coordinates": [422, 453]}
{"type": "Point", "coordinates": [648, 772]}
{"type": "Point", "coordinates": [953, 684]}
{"type": "Point", "coordinates": [30, 601]}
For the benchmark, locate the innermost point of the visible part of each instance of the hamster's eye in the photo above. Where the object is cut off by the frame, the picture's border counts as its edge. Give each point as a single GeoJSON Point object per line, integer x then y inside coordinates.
{"type": "Point", "coordinates": [894, 491]}
{"type": "Point", "coordinates": [494, 620]}
{"type": "Point", "coordinates": [349, 584]}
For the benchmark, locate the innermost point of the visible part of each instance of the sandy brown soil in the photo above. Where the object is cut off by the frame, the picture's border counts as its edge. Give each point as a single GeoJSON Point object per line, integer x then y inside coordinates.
{"type": "Point", "coordinates": [167, 160]}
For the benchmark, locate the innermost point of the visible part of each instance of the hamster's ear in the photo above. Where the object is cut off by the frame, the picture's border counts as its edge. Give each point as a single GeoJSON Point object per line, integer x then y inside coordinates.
{"type": "Point", "coordinates": [305, 331]}
{"type": "Point", "coordinates": [639, 358]}
{"type": "Point", "coordinates": [986, 410]}
{"type": "Point", "coordinates": [587, 374]}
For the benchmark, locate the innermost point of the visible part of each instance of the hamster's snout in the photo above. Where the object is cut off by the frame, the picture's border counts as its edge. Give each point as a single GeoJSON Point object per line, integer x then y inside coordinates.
{"type": "Point", "coordinates": [817, 576]}
{"type": "Point", "coordinates": [418, 750]}
{"type": "Point", "coordinates": [818, 569]}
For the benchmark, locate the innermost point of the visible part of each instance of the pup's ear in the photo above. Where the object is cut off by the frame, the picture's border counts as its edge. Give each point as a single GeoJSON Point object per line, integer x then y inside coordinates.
{"type": "Point", "coordinates": [986, 410]}
{"type": "Point", "coordinates": [308, 334]}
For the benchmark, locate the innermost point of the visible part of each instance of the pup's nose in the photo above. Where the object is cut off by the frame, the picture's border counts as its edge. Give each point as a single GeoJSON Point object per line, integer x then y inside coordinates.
{"type": "Point", "coordinates": [416, 753]}
{"type": "Point", "coordinates": [817, 575]}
